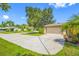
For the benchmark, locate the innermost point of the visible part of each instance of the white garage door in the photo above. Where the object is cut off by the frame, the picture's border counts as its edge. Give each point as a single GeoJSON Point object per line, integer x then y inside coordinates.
{"type": "Point", "coordinates": [55, 30]}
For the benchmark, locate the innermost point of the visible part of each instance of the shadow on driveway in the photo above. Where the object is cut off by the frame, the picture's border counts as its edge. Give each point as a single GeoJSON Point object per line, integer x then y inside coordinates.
{"type": "Point", "coordinates": [60, 41]}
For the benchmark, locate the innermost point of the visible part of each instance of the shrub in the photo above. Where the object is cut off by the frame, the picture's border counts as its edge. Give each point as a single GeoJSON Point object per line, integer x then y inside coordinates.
{"type": "Point", "coordinates": [75, 39]}
{"type": "Point", "coordinates": [41, 30]}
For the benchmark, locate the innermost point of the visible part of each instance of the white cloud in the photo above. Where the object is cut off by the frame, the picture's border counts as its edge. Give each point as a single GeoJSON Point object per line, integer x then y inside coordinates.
{"type": "Point", "coordinates": [61, 5]}
{"type": "Point", "coordinates": [70, 4]}
{"type": "Point", "coordinates": [6, 17]}
{"type": "Point", "coordinates": [23, 17]}
{"type": "Point", "coordinates": [58, 4]}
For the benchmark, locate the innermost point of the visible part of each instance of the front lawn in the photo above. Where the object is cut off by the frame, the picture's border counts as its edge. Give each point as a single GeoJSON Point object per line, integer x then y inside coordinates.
{"type": "Point", "coordinates": [10, 49]}
{"type": "Point", "coordinates": [69, 50]}
{"type": "Point", "coordinates": [33, 34]}
{"type": "Point", "coordinates": [8, 32]}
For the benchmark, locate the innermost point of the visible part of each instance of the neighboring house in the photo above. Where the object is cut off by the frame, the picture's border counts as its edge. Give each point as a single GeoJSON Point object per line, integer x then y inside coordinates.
{"type": "Point", "coordinates": [2, 29]}
{"type": "Point", "coordinates": [53, 28]}
{"type": "Point", "coordinates": [6, 28]}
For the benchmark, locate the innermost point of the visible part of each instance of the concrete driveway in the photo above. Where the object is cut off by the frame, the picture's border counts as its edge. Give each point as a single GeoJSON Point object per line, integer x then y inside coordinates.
{"type": "Point", "coordinates": [45, 44]}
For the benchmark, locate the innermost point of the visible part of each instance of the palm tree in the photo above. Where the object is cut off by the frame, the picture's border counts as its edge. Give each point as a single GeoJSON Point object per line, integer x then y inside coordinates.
{"type": "Point", "coordinates": [72, 26]}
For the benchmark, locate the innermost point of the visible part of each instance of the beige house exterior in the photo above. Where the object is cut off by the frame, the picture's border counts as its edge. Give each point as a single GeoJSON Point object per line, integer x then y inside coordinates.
{"type": "Point", "coordinates": [53, 28]}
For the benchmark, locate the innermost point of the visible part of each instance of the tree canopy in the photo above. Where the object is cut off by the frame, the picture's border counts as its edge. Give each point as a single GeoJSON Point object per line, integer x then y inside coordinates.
{"type": "Point", "coordinates": [72, 27]}
{"type": "Point", "coordinates": [5, 6]}
{"type": "Point", "coordinates": [73, 22]}
{"type": "Point", "coordinates": [38, 18]}
{"type": "Point", "coordinates": [8, 23]}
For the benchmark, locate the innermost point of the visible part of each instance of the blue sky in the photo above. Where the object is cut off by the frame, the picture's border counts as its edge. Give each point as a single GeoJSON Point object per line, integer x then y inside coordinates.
{"type": "Point", "coordinates": [62, 12]}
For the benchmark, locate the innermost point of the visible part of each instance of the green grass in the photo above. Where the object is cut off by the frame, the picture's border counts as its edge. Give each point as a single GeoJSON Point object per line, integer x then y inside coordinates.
{"type": "Point", "coordinates": [69, 50]}
{"type": "Point", "coordinates": [10, 49]}
{"type": "Point", "coordinates": [6, 32]}
{"type": "Point", "coordinates": [34, 34]}
{"type": "Point", "coordinates": [9, 32]}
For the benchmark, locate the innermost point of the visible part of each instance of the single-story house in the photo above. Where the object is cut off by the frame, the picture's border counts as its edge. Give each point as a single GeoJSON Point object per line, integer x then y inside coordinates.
{"type": "Point", "coordinates": [5, 29]}
{"type": "Point", "coordinates": [2, 29]}
{"type": "Point", "coordinates": [53, 28]}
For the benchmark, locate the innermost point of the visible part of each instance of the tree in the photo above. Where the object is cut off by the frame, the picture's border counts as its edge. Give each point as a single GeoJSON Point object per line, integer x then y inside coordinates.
{"type": "Point", "coordinates": [8, 23]}
{"type": "Point", "coordinates": [23, 27]}
{"type": "Point", "coordinates": [47, 17]}
{"type": "Point", "coordinates": [38, 18]}
{"type": "Point", "coordinates": [33, 15]}
{"type": "Point", "coordinates": [72, 26]}
{"type": "Point", "coordinates": [4, 6]}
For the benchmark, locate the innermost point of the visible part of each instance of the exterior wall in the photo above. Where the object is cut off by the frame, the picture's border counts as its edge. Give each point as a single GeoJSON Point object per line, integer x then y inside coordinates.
{"type": "Point", "coordinates": [44, 30]}
{"type": "Point", "coordinates": [53, 29]}
{"type": "Point", "coordinates": [2, 30]}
